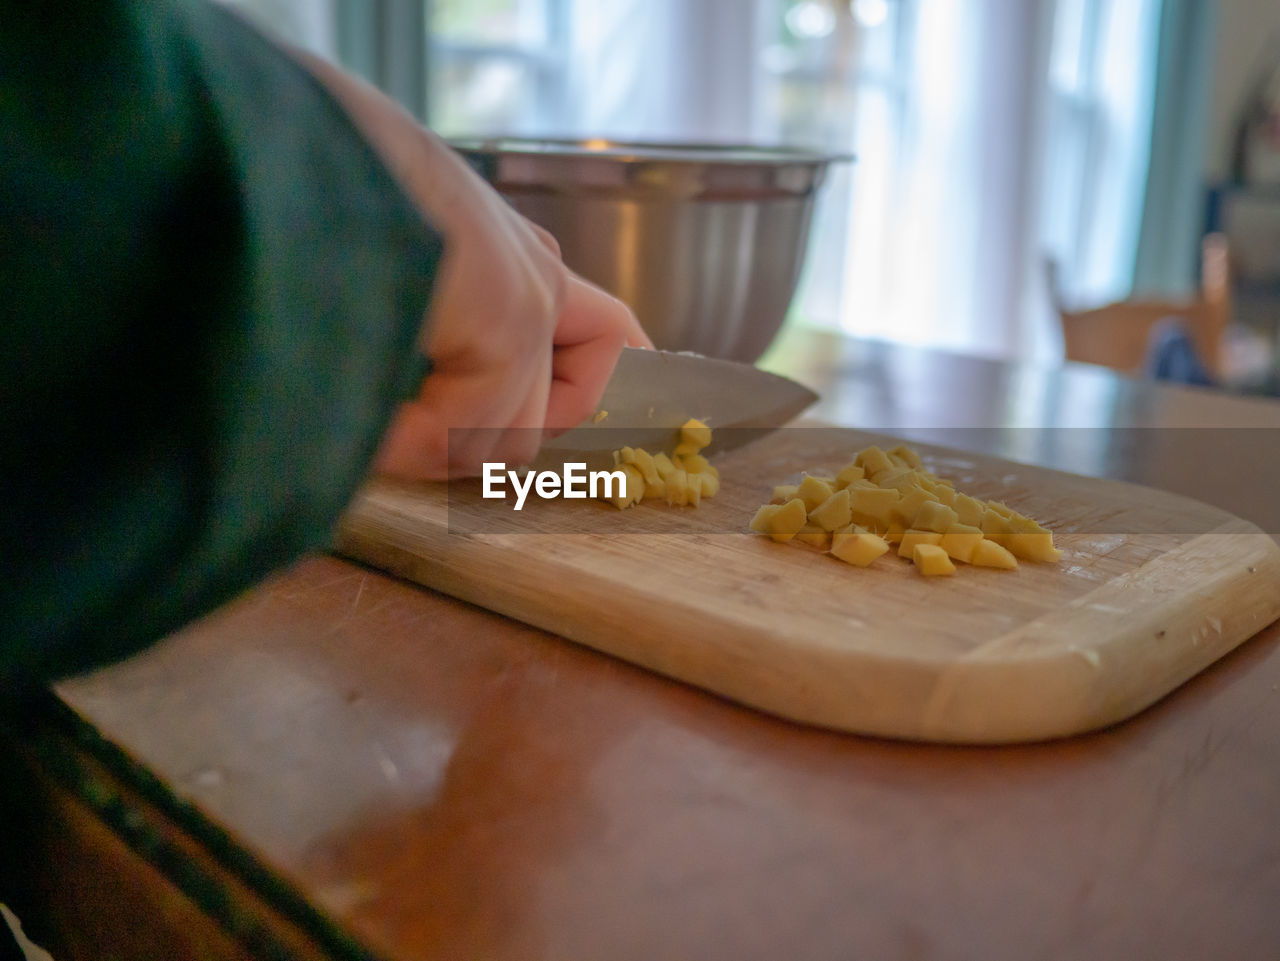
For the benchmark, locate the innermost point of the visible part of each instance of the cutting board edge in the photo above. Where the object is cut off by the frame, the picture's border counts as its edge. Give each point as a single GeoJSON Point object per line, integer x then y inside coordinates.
{"type": "Point", "coordinates": [1217, 615]}
{"type": "Point", "coordinates": [1067, 698]}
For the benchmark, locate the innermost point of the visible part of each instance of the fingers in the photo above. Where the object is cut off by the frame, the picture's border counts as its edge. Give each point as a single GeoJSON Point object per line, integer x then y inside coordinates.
{"type": "Point", "coordinates": [593, 327]}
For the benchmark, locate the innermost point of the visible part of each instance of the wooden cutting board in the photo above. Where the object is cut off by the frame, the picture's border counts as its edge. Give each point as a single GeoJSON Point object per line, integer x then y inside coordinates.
{"type": "Point", "coordinates": [1152, 588]}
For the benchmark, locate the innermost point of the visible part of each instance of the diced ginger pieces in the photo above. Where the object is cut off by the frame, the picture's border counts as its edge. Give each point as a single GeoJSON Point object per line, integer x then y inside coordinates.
{"type": "Point", "coordinates": [960, 541]}
{"type": "Point", "coordinates": [872, 460]}
{"type": "Point", "coordinates": [873, 505]}
{"type": "Point", "coordinates": [1032, 546]}
{"type": "Point", "coordinates": [813, 491]}
{"type": "Point", "coordinates": [833, 513]}
{"type": "Point", "coordinates": [679, 491]}
{"type": "Point", "coordinates": [912, 537]}
{"type": "Point", "coordinates": [932, 560]}
{"type": "Point", "coordinates": [848, 474]}
{"type": "Point", "coordinates": [990, 554]}
{"type": "Point", "coordinates": [684, 477]}
{"type": "Point", "coordinates": [909, 505]}
{"type": "Point", "coordinates": [632, 491]}
{"type": "Point", "coordinates": [946, 494]}
{"type": "Point", "coordinates": [783, 493]}
{"type": "Point", "coordinates": [907, 456]}
{"type": "Point", "coordinates": [760, 523]}
{"type": "Point", "coordinates": [695, 433]}
{"type": "Point", "coordinates": [697, 464]}
{"type": "Point", "coordinates": [859, 548]}
{"type": "Point", "coordinates": [787, 521]}
{"type": "Point", "coordinates": [888, 498]}
{"type": "Point", "coordinates": [995, 526]}
{"type": "Point", "coordinates": [969, 510]}
{"type": "Point", "coordinates": [934, 516]}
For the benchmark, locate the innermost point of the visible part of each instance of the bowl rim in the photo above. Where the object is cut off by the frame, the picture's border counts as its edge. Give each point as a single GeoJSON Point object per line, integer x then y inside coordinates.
{"type": "Point", "coordinates": [646, 151]}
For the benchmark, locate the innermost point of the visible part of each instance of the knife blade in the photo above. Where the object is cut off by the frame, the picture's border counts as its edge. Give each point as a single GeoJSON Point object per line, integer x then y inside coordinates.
{"type": "Point", "coordinates": [653, 392]}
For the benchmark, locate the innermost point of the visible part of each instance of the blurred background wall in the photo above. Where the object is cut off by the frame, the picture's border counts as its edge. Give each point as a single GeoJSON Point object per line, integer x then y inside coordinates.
{"type": "Point", "coordinates": [990, 134]}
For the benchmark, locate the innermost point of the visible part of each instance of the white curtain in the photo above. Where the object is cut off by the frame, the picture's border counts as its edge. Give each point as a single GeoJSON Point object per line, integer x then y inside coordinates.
{"type": "Point", "coordinates": [998, 133]}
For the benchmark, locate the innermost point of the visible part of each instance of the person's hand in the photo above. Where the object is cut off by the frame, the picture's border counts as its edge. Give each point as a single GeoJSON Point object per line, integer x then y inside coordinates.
{"type": "Point", "coordinates": [520, 345]}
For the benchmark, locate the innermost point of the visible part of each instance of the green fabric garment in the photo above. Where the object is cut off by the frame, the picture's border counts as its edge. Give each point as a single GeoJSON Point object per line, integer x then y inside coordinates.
{"type": "Point", "coordinates": [210, 295]}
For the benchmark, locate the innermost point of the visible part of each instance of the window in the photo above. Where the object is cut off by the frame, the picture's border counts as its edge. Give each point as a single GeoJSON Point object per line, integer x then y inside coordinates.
{"type": "Point", "coordinates": [988, 133]}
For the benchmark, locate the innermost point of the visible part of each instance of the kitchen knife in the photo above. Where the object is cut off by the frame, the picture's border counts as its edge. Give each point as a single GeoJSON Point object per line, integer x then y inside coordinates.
{"type": "Point", "coordinates": [653, 392]}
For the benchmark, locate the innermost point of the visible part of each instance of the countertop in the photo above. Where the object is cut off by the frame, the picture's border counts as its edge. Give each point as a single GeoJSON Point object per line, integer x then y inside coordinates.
{"type": "Point", "coordinates": [340, 762]}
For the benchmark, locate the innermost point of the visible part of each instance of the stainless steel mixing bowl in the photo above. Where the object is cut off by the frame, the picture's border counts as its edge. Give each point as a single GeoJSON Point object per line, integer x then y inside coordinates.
{"type": "Point", "coordinates": [704, 242]}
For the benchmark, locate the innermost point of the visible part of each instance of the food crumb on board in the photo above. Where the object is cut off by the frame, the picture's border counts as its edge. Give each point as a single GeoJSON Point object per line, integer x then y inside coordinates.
{"type": "Point", "coordinates": [600, 415]}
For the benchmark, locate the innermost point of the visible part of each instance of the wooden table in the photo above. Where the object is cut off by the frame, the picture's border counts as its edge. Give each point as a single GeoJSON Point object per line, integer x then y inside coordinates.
{"type": "Point", "coordinates": [340, 762]}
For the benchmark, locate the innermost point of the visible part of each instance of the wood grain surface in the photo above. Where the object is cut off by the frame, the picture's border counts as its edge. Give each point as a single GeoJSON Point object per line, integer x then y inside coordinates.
{"type": "Point", "coordinates": [1152, 588]}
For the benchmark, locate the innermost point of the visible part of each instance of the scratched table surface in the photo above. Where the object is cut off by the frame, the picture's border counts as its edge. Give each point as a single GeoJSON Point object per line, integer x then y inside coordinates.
{"type": "Point", "coordinates": [340, 764]}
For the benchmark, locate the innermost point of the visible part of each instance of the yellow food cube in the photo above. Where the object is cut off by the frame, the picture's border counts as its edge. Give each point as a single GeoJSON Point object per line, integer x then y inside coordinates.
{"type": "Point", "coordinates": [872, 460]}
{"type": "Point", "coordinates": [991, 554]}
{"type": "Point", "coordinates": [934, 516]}
{"type": "Point", "coordinates": [848, 474]}
{"type": "Point", "coordinates": [969, 510]}
{"type": "Point", "coordinates": [632, 491]}
{"type": "Point", "coordinates": [946, 494]}
{"type": "Point", "coordinates": [784, 492]}
{"type": "Point", "coordinates": [710, 484]}
{"type": "Point", "coordinates": [902, 479]}
{"type": "Point", "coordinates": [693, 489]}
{"type": "Point", "coordinates": [694, 432]}
{"type": "Point", "coordinates": [760, 522]}
{"type": "Point", "coordinates": [697, 464]}
{"type": "Point", "coordinates": [677, 483]}
{"type": "Point", "coordinates": [873, 504]}
{"type": "Point", "coordinates": [912, 537]}
{"type": "Point", "coordinates": [908, 456]}
{"type": "Point", "coordinates": [995, 526]}
{"type": "Point", "coordinates": [960, 541]}
{"type": "Point", "coordinates": [788, 520]}
{"type": "Point", "coordinates": [1020, 523]}
{"type": "Point", "coordinates": [644, 460]}
{"type": "Point", "coordinates": [664, 465]}
{"type": "Point", "coordinates": [833, 513]}
{"type": "Point", "coordinates": [858, 548]}
{"type": "Point", "coordinates": [814, 536]}
{"type": "Point", "coordinates": [656, 490]}
{"type": "Point", "coordinates": [813, 491]}
{"type": "Point", "coordinates": [1004, 510]}
{"type": "Point", "coordinates": [893, 533]}
{"type": "Point", "coordinates": [909, 505]}
{"type": "Point", "coordinates": [1032, 545]}
{"type": "Point", "coordinates": [932, 560]}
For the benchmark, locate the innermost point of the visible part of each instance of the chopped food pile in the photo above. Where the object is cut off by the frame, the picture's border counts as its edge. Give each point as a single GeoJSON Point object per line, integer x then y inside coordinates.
{"type": "Point", "coordinates": [886, 498]}
{"type": "Point", "coordinates": [683, 478]}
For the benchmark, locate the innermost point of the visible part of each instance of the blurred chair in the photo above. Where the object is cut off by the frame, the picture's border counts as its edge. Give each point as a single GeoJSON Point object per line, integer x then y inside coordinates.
{"type": "Point", "coordinates": [1120, 335]}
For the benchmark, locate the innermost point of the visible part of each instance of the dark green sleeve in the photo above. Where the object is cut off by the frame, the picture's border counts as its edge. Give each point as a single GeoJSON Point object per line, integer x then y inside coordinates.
{"type": "Point", "coordinates": [210, 295]}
